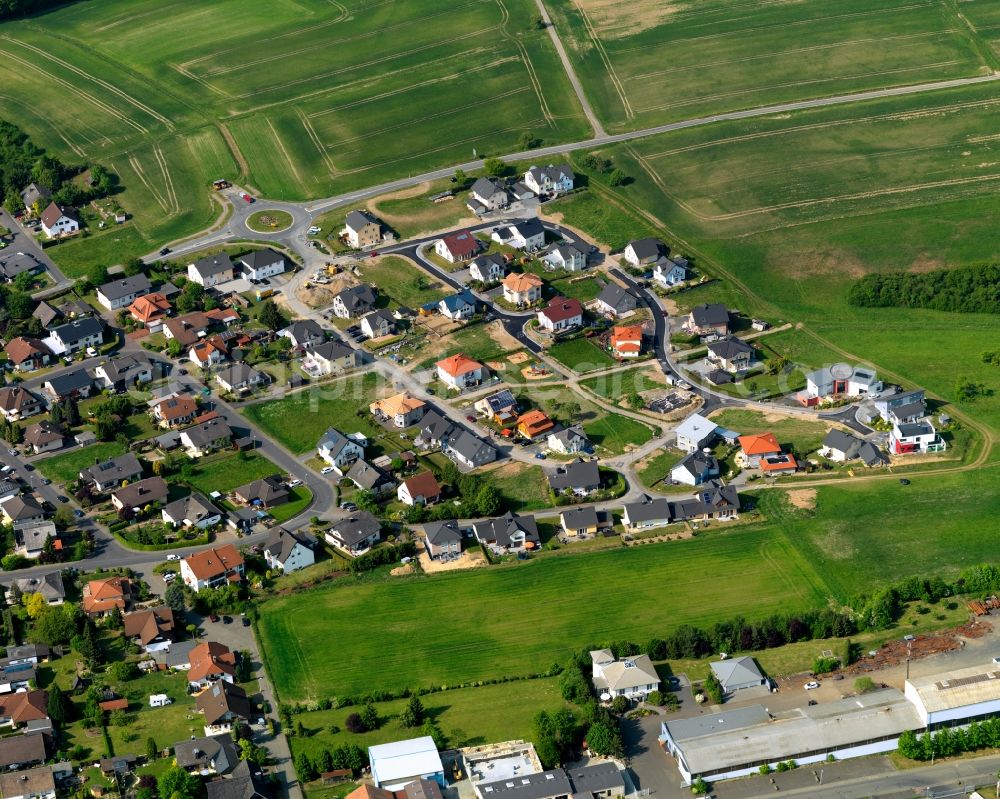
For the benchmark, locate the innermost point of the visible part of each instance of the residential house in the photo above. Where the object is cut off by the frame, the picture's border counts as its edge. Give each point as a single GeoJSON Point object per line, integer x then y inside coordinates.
{"type": "Point", "coordinates": [123, 372]}
{"type": "Point", "coordinates": [508, 532]}
{"type": "Point", "coordinates": [245, 782]}
{"type": "Point", "coordinates": [488, 195]}
{"type": "Point", "coordinates": [580, 521]}
{"type": "Point", "coordinates": [435, 431]}
{"type": "Point", "coordinates": [520, 191]}
{"type": "Point", "coordinates": [106, 475]}
{"type": "Point", "coordinates": [100, 597]}
{"type": "Point", "coordinates": [44, 437]}
{"type": "Point", "coordinates": [17, 403]}
{"type": "Point", "coordinates": [643, 252]}
{"type": "Point", "coordinates": [210, 663]}
{"type": "Point", "coordinates": [78, 335]}
{"type": "Point", "coordinates": [22, 709]}
{"type": "Point", "coordinates": [261, 264]}
{"type": "Point", "coordinates": [150, 310]}
{"type": "Point", "coordinates": [141, 494]}
{"type": "Point", "coordinates": [841, 447]}
{"type": "Point", "coordinates": [32, 533]}
{"type": "Point", "coordinates": [153, 629]}
{"type": "Point", "coordinates": [915, 437]}
{"type": "Point", "coordinates": [59, 220]}
{"type": "Point", "coordinates": [208, 437]}
{"type": "Point", "coordinates": [122, 292]}
{"type": "Point", "coordinates": [569, 441]}
{"type": "Point", "coordinates": [500, 408]}
{"type": "Point", "coordinates": [207, 353]}
{"type": "Point", "coordinates": [730, 354]}
{"type": "Point", "coordinates": [303, 333]}
{"type": "Point", "coordinates": [187, 329]}
{"type": "Point", "coordinates": [212, 567]}
{"type": "Point", "coordinates": [421, 489]}
{"type": "Point", "coordinates": [17, 264]}
{"type": "Point", "coordinates": [76, 384]}
{"type": "Point", "coordinates": [712, 500]}
{"type": "Point", "coordinates": [211, 270]}
{"type": "Point", "coordinates": [224, 706]}
{"type": "Point", "coordinates": [526, 234]}
{"type": "Point", "coordinates": [362, 230]}
{"type": "Point", "coordinates": [238, 378]}
{"type": "Point", "coordinates": [708, 319]}
{"type": "Point", "coordinates": [737, 674]}
{"type": "Point", "coordinates": [400, 410]}
{"type": "Point", "coordinates": [194, 510]}
{"type": "Point", "coordinates": [31, 654]}
{"type": "Point", "coordinates": [886, 404]}
{"type": "Point", "coordinates": [459, 372]}
{"type": "Point", "coordinates": [35, 196]}
{"type": "Point", "coordinates": [338, 450]}
{"type": "Point", "coordinates": [21, 751]}
{"type": "Point", "coordinates": [46, 314]}
{"type": "Point", "coordinates": [49, 585]}
{"type": "Point", "coordinates": [670, 271]}
{"type": "Point", "coordinates": [175, 410]}
{"type": "Point", "coordinates": [633, 677]}
{"type": "Point", "coordinates": [626, 341]}
{"type": "Point", "coordinates": [601, 780]}
{"type": "Point", "coordinates": [841, 379]}
{"type": "Point", "coordinates": [488, 269]}
{"type": "Point", "coordinates": [695, 432]}
{"type": "Point", "coordinates": [522, 288]}
{"type": "Point", "coordinates": [561, 314]}
{"type": "Point", "coordinates": [354, 301]}
{"type": "Point", "coordinates": [695, 468]}
{"type": "Point", "coordinates": [330, 357]}
{"type": "Point", "coordinates": [568, 257]}
{"type": "Point", "coordinates": [36, 783]}
{"type": "Point", "coordinates": [368, 477]}
{"type": "Point", "coordinates": [468, 450]}
{"type": "Point", "coordinates": [913, 412]}
{"type": "Point", "coordinates": [646, 512]}
{"type": "Point", "coordinates": [266, 492]}
{"type": "Point", "coordinates": [355, 534]}
{"type": "Point", "coordinates": [443, 538]}
{"type": "Point", "coordinates": [550, 179]}
{"type": "Point", "coordinates": [288, 551]}
{"type": "Point", "coordinates": [579, 477]}
{"type": "Point", "coordinates": [27, 354]}
{"type": "Point", "coordinates": [777, 465]}
{"type": "Point", "coordinates": [457, 247]}
{"type": "Point", "coordinates": [458, 307]}
{"type": "Point", "coordinates": [214, 754]}
{"type": "Point", "coordinates": [534, 423]}
{"type": "Point", "coordinates": [9, 488]}
{"type": "Point", "coordinates": [378, 323]}
{"type": "Point", "coordinates": [615, 300]}
{"type": "Point", "coordinates": [755, 447]}
{"type": "Point", "coordinates": [553, 784]}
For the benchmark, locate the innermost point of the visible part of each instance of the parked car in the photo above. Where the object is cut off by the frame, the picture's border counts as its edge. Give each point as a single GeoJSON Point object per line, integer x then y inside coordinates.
{"type": "Point", "coordinates": [294, 483]}
{"type": "Point", "coordinates": [540, 456]}
{"type": "Point", "coordinates": [12, 452]}
{"type": "Point", "coordinates": [811, 684]}
{"type": "Point", "coordinates": [165, 251]}
{"type": "Point", "coordinates": [79, 514]}
{"type": "Point", "coordinates": [314, 229]}
{"type": "Point", "coordinates": [213, 618]}
{"type": "Point", "coordinates": [349, 506]}
{"type": "Point", "coordinates": [326, 470]}
{"type": "Point", "coordinates": [169, 577]}
{"type": "Point", "coordinates": [227, 619]}
{"type": "Point", "coordinates": [470, 418]}
{"type": "Point", "coordinates": [173, 556]}
{"type": "Point", "coordinates": [246, 197]}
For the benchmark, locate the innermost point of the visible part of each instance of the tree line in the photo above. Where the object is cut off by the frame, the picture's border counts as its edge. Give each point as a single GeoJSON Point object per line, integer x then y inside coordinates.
{"type": "Point", "coordinates": [9, 9]}
{"type": "Point", "coordinates": [967, 289]}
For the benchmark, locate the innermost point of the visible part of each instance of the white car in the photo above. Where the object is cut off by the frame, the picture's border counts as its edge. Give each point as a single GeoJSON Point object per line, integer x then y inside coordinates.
{"type": "Point", "coordinates": [173, 556]}
{"type": "Point", "coordinates": [326, 470]}
{"type": "Point", "coordinates": [294, 483]}
{"type": "Point", "coordinates": [314, 230]}
{"type": "Point", "coordinates": [91, 352]}
{"type": "Point", "coordinates": [169, 577]}
{"type": "Point", "coordinates": [810, 685]}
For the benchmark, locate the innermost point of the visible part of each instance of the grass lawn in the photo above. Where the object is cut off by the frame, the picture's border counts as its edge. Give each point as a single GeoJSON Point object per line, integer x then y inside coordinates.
{"type": "Point", "coordinates": [66, 466]}
{"type": "Point", "coordinates": [300, 498]}
{"type": "Point", "coordinates": [475, 342]}
{"type": "Point", "coordinates": [617, 385]}
{"type": "Point", "coordinates": [580, 355]}
{"type": "Point", "coordinates": [616, 434]}
{"type": "Point", "coordinates": [575, 287]}
{"type": "Point", "coordinates": [403, 282]}
{"type": "Point", "coordinates": [610, 224]}
{"type": "Point", "coordinates": [414, 215]}
{"type": "Point", "coordinates": [269, 220]}
{"type": "Point", "coordinates": [802, 435]}
{"type": "Point", "coordinates": [226, 470]}
{"type": "Point", "coordinates": [656, 468]}
{"type": "Point", "coordinates": [481, 715]}
{"type": "Point", "coordinates": [523, 487]}
{"type": "Point", "coordinates": [166, 725]}
{"type": "Point", "coordinates": [299, 420]}
{"type": "Point", "coordinates": [447, 644]}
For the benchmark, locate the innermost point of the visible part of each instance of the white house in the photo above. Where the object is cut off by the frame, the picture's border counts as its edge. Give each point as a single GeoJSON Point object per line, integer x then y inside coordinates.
{"type": "Point", "coordinates": [843, 379]}
{"type": "Point", "coordinates": [194, 510]}
{"type": "Point", "coordinates": [670, 272]}
{"type": "Point", "coordinates": [288, 551]}
{"type": "Point", "coordinates": [488, 195]}
{"type": "Point", "coordinates": [421, 489]}
{"type": "Point", "coordinates": [121, 293]}
{"type": "Point", "coordinates": [78, 335]}
{"type": "Point", "coordinates": [378, 323]}
{"type": "Point", "coordinates": [695, 432]}
{"type": "Point", "coordinates": [458, 307]}
{"type": "Point", "coordinates": [568, 257]}
{"type": "Point", "coordinates": [632, 677]}
{"type": "Point", "coordinates": [488, 268]}
{"type": "Point", "coordinates": [550, 179]}
{"type": "Point", "coordinates": [459, 372]}
{"type": "Point", "coordinates": [569, 441]}
{"type": "Point", "coordinates": [457, 247]}
{"type": "Point", "coordinates": [522, 288]}
{"type": "Point", "coordinates": [260, 264]}
{"type": "Point", "coordinates": [338, 450]}
{"type": "Point", "coordinates": [59, 220]}
{"type": "Point", "coordinates": [915, 437]}
{"type": "Point", "coordinates": [528, 235]}
{"type": "Point", "coordinates": [211, 270]}
{"type": "Point", "coordinates": [561, 314]}
{"type": "Point", "coordinates": [695, 469]}
{"type": "Point", "coordinates": [643, 252]}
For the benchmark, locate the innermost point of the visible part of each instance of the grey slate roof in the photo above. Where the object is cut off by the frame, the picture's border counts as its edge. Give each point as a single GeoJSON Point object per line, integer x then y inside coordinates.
{"type": "Point", "coordinates": [543, 785]}
{"type": "Point", "coordinates": [194, 507]}
{"type": "Point", "coordinates": [527, 228]}
{"type": "Point", "coordinates": [359, 219]}
{"type": "Point", "coordinates": [331, 350]}
{"type": "Point", "coordinates": [45, 313]}
{"type": "Point", "coordinates": [79, 329]}
{"type": "Point", "coordinates": [122, 467]}
{"type": "Point", "coordinates": [736, 671]}
{"type": "Point", "coordinates": [648, 509]}
{"type": "Point", "coordinates": [24, 506]}
{"type": "Point", "coordinates": [357, 297]}
{"type": "Point", "coordinates": [205, 433]}
{"type": "Point", "coordinates": [75, 380]}
{"type": "Point", "coordinates": [281, 543]}
{"type": "Point", "coordinates": [213, 265]}
{"type": "Point", "coordinates": [580, 517]}
{"type": "Point", "coordinates": [243, 783]}
{"type": "Point", "coordinates": [578, 474]}
{"type": "Point", "coordinates": [486, 187]}
{"type": "Point", "coordinates": [596, 777]}
{"type": "Point", "coordinates": [647, 249]}
{"type": "Point", "coordinates": [470, 446]}
{"type": "Point", "coordinates": [366, 476]}
{"type": "Point", "coordinates": [20, 750]}
{"type": "Point", "coordinates": [844, 442]}
{"type": "Point", "coordinates": [17, 263]}
{"type": "Point", "coordinates": [237, 373]}
{"type": "Point", "coordinates": [334, 441]}
{"type": "Point", "coordinates": [444, 532]}
{"type": "Point", "coordinates": [49, 585]}
{"type": "Point", "coordinates": [710, 314]}
{"type": "Point", "coordinates": [125, 287]}
{"type": "Point", "coordinates": [356, 527]}
{"type": "Point", "coordinates": [125, 367]}
{"type": "Point", "coordinates": [619, 298]}
{"type": "Point", "coordinates": [303, 331]}
{"type": "Point", "coordinates": [255, 259]}
{"type": "Point", "coordinates": [503, 527]}
{"type": "Point", "coordinates": [698, 463]}
{"type": "Point", "coordinates": [910, 410]}
{"type": "Point", "coordinates": [729, 348]}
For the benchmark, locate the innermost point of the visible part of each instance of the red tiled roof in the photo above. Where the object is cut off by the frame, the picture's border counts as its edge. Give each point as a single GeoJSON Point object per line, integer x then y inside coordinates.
{"type": "Point", "coordinates": [459, 364]}
{"type": "Point", "coordinates": [559, 309]}
{"type": "Point", "coordinates": [462, 244]}
{"type": "Point", "coordinates": [214, 562]}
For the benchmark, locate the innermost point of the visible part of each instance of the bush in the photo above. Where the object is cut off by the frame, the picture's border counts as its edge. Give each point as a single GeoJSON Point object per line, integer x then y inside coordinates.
{"type": "Point", "coordinates": [354, 724]}
{"type": "Point", "coordinates": [655, 698]}
{"type": "Point", "coordinates": [699, 786]}
{"type": "Point", "coordinates": [825, 665]}
{"type": "Point", "coordinates": [863, 685]}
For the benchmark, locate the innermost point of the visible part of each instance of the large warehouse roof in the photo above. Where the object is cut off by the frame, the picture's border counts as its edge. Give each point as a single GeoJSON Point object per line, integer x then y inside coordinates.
{"type": "Point", "coordinates": [402, 759]}
{"type": "Point", "coordinates": [750, 735]}
{"type": "Point", "coordinates": [954, 689]}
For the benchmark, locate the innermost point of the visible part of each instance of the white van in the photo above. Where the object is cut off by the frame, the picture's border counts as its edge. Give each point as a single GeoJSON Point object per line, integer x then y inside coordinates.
{"type": "Point", "coordinates": [159, 700]}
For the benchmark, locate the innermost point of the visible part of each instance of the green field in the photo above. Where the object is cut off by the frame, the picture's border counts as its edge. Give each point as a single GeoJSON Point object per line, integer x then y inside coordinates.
{"type": "Point", "coordinates": [606, 222]}
{"type": "Point", "coordinates": [580, 355]}
{"type": "Point", "coordinates": [412, 215]}
{"type": "Point", "coordinates": [403, 282]}
{"type": "Point", "coordinates": [615, 434]}
{"type": "Point", "coordinates": [523, 487]}
{"type": "Point", "coordinates": [448, 642]}
{"type": "Point", "coordinates": [65, 467]}
{"type": "Point", "coordinates": [617, 385]}
{"type": "Point", "coordinates": [225, 471]}
{"type": "Point", "coordinates": [344, 95]}
{"type": "Point", "coordinates": [647, 63]}
{"type": "Point", "coordinates": [801, 435]}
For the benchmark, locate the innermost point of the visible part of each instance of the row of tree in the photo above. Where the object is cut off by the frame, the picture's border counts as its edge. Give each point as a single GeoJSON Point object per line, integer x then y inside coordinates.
{"type": "Point", "coordinates": [969, 289]}
{"type": "Point", "coordinates": [948, 741]}
{"type": "Point", "coordinates": [21, 8]}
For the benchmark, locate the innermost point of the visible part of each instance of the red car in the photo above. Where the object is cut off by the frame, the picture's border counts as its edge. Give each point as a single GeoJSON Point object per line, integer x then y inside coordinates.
{"type": "Point", "coordinates": [373, 254]}
{"type": "Point", "coordinates": [247, 197]}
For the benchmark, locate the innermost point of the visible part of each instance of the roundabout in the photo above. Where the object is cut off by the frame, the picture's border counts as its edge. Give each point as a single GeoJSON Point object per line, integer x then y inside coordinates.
{"type": "Point", "coordinates": [269, 220]}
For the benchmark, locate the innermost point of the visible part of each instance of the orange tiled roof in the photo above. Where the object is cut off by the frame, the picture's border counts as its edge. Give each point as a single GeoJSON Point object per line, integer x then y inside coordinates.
{"type": "Point", "coordinates": [763, 444]}
{"type": "Point", "coordinates": [521, 282]}
{"type": "Point", "coordinates": [213, 562]}
{"type": "Point", "coordinates": [459, 364]}
{"type": "Point", "coordinates": [149, 308]}
{"type": "Point", "coordinates": [211, 658]}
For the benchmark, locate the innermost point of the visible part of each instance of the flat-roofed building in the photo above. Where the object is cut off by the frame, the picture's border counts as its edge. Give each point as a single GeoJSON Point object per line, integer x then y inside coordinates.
{"type": "Point", "coordinates": [961, 695]}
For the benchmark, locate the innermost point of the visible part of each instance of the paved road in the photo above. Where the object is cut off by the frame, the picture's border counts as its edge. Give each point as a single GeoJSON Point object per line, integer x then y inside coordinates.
{"type": "Point", "coordinates": [21, 240]}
